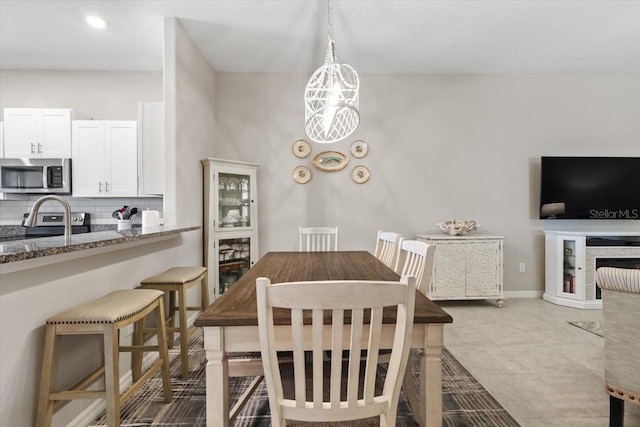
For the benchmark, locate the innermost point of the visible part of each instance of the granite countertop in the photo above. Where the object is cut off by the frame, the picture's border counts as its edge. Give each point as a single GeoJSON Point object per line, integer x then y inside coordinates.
{"type": "Point", "coordinates": [19, 250]}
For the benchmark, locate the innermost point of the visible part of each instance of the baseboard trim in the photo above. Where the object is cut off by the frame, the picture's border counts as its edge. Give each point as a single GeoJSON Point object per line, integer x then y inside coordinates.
{"type": "Point", "coordinates": [96, 408]}
{"type": "Point", "coordinates": [522, 294]}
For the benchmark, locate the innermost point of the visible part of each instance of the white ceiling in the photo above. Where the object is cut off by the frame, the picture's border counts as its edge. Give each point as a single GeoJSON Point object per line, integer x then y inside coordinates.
{"type": "Point", "coordinates": [374, 36]}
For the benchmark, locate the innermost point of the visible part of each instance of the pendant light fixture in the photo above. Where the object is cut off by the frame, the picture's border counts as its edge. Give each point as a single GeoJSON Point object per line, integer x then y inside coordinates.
{"type": "Point", "coordinates": [331, 97]}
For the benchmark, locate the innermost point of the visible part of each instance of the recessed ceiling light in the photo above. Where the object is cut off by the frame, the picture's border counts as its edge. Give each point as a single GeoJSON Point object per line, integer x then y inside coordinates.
{"type": "Point", "coordinates": [96, 22]}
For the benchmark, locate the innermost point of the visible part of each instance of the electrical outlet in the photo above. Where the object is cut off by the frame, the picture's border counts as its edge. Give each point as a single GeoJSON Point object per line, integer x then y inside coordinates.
{"type": "Point", "coordinates": [522, 267]}
{"type": "Point", "coordinates": [129, 329]}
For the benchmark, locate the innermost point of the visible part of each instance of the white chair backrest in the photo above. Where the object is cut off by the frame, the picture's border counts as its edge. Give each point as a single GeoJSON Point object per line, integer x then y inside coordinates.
{"type": "Point", "coordinates": [326, 303]}
{"type": "Point", "coordinates": [416, 259]}
{"type": "Point", "coordinates": [387, 247]}
{"type": "Point", "coordinates": [318, 239]}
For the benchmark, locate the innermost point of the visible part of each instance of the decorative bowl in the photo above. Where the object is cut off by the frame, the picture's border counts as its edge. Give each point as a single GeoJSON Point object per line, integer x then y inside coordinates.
{"type": "Point", "coordinates": [458, 228]}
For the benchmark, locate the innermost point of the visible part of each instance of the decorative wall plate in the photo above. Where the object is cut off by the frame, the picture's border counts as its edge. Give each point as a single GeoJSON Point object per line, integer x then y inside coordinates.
{"type": "Point", "coordinates": [359, 149]}
{"type": "Point", "coordinates": [301, 148]}
{"type": "Point", "coordinates": [301, 174]}
{"type": "Point", "coordinates": [330, 161]}
{"type": "Point", "coordinates": [360, 174]}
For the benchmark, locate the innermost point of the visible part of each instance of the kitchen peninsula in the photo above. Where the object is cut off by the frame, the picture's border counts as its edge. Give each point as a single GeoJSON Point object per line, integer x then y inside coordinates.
{"type": "Point", "coordinates": [15, 255]}
{"type": "Point", "coordinates": [41, 277]}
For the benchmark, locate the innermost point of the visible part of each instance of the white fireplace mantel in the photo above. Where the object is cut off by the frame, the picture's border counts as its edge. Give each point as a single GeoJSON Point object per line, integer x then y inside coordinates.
{"type": "Point", "coordinates": [569, 256]}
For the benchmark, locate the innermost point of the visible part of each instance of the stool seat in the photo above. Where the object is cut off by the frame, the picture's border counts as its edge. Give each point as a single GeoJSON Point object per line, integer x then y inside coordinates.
{"type": "Point", "coordinates": [175, 276]}
{"type": "Point", "coordinates": [174, 282]}
{"type": "Point", "coordinates": [111, 308]}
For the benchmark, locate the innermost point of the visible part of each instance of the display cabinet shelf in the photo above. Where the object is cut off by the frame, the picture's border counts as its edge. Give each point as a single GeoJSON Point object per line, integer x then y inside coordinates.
{"type": "Point", "coordinates": [231, 264]}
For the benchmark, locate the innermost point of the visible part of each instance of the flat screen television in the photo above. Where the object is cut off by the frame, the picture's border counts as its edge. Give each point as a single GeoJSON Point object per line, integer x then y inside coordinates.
{"type": "Point", "coordinates": [590, 188]}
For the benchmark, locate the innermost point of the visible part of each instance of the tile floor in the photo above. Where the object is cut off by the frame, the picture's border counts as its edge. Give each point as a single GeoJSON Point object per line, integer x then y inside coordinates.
{"type": "Point", "coordinates": [544, 371]}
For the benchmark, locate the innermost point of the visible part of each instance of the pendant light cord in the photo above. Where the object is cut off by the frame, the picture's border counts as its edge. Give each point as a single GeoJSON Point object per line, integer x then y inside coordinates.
{"type": "Point", "coordinates": [330, 56]}
{"type": "Point", "coordinates": [330, 18]}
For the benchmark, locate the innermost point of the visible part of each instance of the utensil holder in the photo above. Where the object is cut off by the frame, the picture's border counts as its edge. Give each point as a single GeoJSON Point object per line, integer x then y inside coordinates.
{"type": "Point", "coordinates": [124, 224]}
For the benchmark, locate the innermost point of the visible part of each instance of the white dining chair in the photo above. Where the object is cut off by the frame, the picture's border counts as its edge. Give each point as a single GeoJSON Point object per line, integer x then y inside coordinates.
{"type": "Point", "coordinates": [416, 259]}
{"type": "Point", "coordinates": [388, 247]}
{"type": "Point", "coordinates": [318, 239]}
{"type": "Point", "coordinates": [324, 305]}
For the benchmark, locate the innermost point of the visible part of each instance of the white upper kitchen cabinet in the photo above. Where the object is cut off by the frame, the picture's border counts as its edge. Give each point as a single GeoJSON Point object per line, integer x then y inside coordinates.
{"type": "Point", "coordinates": [37, 132]}
{"type": "Point", "coordinates": [105, 159]}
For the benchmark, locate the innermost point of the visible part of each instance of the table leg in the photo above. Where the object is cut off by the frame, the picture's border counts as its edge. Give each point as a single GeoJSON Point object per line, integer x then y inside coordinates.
{"type": "Point", "coordinates": [217, 372]}
{"type": "Point", "coordinates": [412, 393]}
{"type": "Point", "coordinates": [431, 377]}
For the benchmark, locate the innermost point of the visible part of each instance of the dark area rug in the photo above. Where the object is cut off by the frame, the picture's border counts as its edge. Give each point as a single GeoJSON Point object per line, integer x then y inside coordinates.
{"type": "Point", "coordinates": [465, 402]}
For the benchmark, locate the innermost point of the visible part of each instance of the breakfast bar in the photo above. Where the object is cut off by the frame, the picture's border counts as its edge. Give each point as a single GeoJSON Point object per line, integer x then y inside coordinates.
{"type": "Point", "coordinates": [16, 255]}
{"type": "Point", "coordinates": [43, 276]}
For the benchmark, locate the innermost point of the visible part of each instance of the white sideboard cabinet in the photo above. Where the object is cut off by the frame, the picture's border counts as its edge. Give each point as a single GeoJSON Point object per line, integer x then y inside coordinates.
{"type": "Point", "coordinates": [37, 132]}
{"type": "Point", "coordinates": [105, 160]}
{"type": "Point", "coordinates": [466, 267]}
{"type": "Point", "coordinates": [572, 258]}
{"type": "Point", "coordinates": [231, 220]}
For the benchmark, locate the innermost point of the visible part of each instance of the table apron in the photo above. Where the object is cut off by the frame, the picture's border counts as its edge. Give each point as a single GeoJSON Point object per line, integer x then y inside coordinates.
{"type": "Point", "coordinates": [246, 339]}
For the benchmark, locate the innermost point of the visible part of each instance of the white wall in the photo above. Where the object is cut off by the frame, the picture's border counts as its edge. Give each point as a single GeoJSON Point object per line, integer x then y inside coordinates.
{"type": "Point", "coordinates": [441, 147]}
{"type": "Point", "coordinates": [189, 125]}
{"type": "Point", "coordinates": [100, 95]}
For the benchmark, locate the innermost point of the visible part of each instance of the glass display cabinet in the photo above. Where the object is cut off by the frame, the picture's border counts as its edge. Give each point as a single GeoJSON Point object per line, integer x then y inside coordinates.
{"type": "Point", "coordinates": [565, 282]}
{"type": "Point", "coordinates": [231, 225]}
{"type": "Point", "coordinates": [569, 268]}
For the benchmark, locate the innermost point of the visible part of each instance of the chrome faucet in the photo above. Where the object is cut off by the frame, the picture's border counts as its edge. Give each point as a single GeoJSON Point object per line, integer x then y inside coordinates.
{"type": "Point", "coordinates": [33, 215]}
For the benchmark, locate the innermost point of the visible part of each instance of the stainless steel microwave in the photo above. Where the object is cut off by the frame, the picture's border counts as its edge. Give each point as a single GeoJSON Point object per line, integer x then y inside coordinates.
{"type": "Point", "coordinates": [35, 176]}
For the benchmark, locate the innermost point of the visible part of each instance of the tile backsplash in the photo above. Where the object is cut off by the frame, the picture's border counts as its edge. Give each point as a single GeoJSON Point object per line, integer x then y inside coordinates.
{"type": "Point", "coordinates": [11, 212]}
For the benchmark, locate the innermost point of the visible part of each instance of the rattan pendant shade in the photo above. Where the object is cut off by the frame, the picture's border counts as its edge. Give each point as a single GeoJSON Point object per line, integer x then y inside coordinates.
{"type": "Point", "coordinates": [332, 99]}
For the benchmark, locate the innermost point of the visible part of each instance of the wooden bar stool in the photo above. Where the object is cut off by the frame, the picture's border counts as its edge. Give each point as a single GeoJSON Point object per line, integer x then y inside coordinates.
{"type": "Point", "coordinates": [174, 281]}
{"type": "Point", "coordinates": [106, 316]}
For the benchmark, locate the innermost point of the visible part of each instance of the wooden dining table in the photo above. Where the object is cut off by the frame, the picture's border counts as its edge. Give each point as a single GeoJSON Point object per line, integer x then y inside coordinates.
{"type": "Point", "coordinates": [230, 326]}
